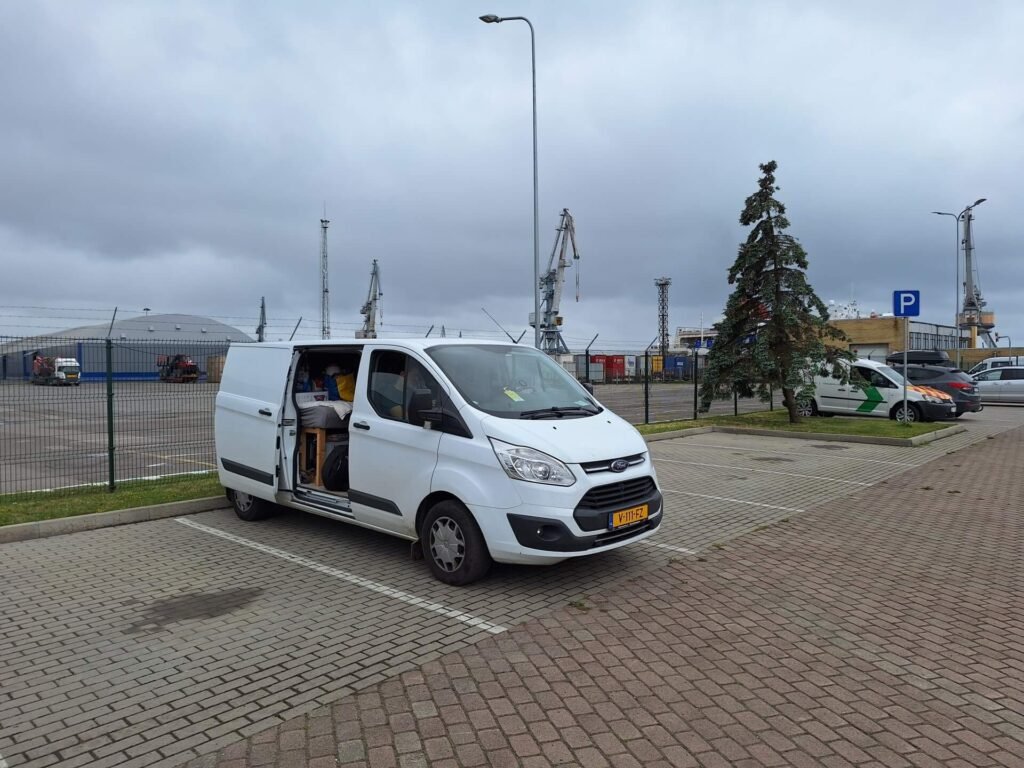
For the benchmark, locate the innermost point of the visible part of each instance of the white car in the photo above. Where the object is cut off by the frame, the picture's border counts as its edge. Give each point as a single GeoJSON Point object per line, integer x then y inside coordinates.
{"type": "Point", "coordinates": [875, 389]}
{"type": "Point", "coordinates": [480, 451]}
{"type": "Point", "coordinates": [1004, 384]}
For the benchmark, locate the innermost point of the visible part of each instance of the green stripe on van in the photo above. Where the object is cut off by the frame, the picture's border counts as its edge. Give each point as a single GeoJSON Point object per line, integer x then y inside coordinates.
{"type": "Point", "coordinates": [874, 398]}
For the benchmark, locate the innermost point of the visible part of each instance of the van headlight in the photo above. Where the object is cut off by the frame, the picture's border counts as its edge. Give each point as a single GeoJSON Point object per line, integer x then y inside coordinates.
{"type": "Point", "coordinates": [933, 399]}
{"type": "Point", "coordinates": [522, 463]}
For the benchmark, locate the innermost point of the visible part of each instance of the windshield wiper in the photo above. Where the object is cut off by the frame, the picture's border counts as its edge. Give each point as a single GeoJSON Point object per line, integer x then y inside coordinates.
{"type": "Point", "coordinates": [558, 411]}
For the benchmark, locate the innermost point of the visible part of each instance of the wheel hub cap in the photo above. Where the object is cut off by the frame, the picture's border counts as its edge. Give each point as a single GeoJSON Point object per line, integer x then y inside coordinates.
{"type": "Point", "coordinates": [447, 544]}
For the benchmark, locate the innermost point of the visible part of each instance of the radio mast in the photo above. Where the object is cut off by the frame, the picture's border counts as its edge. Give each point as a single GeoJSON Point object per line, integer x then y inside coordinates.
{"type": "Point", "coordinates": [325, 304]}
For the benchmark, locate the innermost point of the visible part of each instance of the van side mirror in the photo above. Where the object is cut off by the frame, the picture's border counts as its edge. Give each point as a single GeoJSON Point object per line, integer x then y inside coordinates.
{"type": "Point", "coordinates": [588, 386]}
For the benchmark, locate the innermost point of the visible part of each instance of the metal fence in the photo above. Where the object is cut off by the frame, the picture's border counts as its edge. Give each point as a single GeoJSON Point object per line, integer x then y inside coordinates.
{"type": "Point", "coordinates": [133, 410]}
{"type": "Point", "coordinates": [133, 413]}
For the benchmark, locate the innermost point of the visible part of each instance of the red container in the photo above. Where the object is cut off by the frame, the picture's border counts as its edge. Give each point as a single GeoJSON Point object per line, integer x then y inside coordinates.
{"type": "Point", "coordinates": [615, 367]}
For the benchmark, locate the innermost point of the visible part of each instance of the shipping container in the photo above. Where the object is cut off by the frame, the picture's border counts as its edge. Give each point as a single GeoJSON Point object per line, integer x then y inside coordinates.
{"type": "Point", "coordinates": [615, 367]}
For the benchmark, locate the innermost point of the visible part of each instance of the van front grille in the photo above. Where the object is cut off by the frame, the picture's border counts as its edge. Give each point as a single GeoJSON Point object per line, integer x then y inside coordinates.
{"type": "Point", "coordinates": [621, 494]}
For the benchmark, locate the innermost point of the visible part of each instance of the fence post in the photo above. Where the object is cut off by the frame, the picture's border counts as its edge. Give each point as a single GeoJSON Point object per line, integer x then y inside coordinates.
{"type": "Point", "coordinates": [696, 368]}
{"type": "Point", "coordinates": [735, 402]}
{"type": "Point", "coordinates": [647, 386]}
{"type": "Point", "coordinates": [771, 396]}
{"type": "Point", "coordinates": [110, 416]}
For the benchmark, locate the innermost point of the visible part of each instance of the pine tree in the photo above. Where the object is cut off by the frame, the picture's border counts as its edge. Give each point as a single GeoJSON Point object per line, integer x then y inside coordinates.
{"type": "Point", "coordinates": [775, 327]}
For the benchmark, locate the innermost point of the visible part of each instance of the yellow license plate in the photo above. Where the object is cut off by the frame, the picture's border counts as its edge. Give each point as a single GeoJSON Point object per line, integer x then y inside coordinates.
{"type": "Point", "coordinates": [628, 516]}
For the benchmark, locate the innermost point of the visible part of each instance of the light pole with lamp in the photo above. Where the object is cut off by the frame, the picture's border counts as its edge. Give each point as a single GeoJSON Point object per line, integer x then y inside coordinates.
{"type": "Point", "coordinates": [956, 317]}
{"type": "Point", "coordinates": [492, 19]}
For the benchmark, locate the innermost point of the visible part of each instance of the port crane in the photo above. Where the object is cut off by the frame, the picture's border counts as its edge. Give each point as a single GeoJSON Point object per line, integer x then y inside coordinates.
{"type": "Point", "coordinates": [371, 308]}
{"type": "Point", "coordinates": [551, 283]}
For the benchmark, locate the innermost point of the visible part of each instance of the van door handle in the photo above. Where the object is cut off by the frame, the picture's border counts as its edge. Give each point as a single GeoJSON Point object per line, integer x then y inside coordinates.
{"type": "Point", "coordinates": [265, 412]}
{"type": "Point", "coordinates": [360, 425]}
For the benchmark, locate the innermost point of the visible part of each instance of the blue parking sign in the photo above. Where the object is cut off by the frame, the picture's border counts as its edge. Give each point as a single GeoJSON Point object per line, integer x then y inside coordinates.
{"type": "Point", "coordinates": [906, 303]}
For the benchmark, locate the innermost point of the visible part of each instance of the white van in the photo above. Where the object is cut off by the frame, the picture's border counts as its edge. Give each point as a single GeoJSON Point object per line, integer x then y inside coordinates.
{"type": "Point", "coordinates": [480, 451]}
{"type": "Point", "coordinates": [875, 389]}
{"type": "Point", "coordinates": [995, 362]}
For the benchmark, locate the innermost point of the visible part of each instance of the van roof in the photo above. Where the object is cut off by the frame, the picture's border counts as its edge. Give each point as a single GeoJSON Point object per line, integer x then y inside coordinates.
{"type": "Point", "coordinates": [408, 343]}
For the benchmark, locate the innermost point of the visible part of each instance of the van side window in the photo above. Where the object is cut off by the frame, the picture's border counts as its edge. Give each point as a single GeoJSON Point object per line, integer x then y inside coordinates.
{"type": "Point", "coordinates": [394, 379]}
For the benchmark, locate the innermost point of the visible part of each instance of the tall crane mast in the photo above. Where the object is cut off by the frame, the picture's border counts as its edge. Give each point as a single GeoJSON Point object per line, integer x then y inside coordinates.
{"type": "Point", "coordinates": [976, 320]}
{"type": "Point", "coordinates": [551, 283]}
{"type": "Point", "coordinates": [371, 307]}
{"type": "Point", "coordinates": [325, 304]}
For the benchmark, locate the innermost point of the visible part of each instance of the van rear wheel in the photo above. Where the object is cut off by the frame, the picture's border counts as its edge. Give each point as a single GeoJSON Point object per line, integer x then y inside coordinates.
{"type": "Point", "coordinates": [249, 508]}
{"type": "Point", "coordinates": [807, 408]}
{"type": "Point", "coordinates": [453, 545]}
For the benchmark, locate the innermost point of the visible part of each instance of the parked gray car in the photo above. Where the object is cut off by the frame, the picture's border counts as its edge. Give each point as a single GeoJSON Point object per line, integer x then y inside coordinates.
{"type": "Point", "coordinates": [1001, 385]}
{"type": "Point", "coordinates": [954, 382]}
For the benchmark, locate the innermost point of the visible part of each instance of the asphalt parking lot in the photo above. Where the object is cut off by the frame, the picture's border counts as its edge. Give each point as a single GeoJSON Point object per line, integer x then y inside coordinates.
{"type": "Point", "coordinates": [56, 437]}
{"type": "Point", "coordinates": [149, 644]}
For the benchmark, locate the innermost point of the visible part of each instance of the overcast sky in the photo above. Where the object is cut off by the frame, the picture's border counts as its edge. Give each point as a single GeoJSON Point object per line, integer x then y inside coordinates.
{"type": "Point", "coordinates": [178, 156]}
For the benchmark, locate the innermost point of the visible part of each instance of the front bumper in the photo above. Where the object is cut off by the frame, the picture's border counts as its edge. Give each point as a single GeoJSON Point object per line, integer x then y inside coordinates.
{"type": "Point", "coordinates": [553, 535]}
{"type": "Point", "coordinates": [938, 411]}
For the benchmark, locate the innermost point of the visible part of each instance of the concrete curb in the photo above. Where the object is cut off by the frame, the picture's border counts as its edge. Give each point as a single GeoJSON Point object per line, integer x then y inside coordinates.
{"type": "Point", "coordinates": [905, 442]}
{"type": "Point", "coordinates": [44, 528]}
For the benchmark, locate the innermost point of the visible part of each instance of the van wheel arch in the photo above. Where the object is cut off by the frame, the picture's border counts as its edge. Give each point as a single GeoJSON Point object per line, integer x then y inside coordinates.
{"type": "Point", "coordinates": [248, 507]}
{"type": "Point", "coordinates": [916, 415]}
{"type": "Point", "coordinates": [462, 556]}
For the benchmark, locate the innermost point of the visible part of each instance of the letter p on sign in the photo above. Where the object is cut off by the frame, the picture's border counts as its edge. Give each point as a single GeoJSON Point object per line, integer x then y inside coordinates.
{"type": "Point", "coordinates": [906, 303]}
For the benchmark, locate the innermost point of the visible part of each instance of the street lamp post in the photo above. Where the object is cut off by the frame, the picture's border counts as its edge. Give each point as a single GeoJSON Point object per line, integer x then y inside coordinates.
{"type": "Point", "coordinates": [958, 217]}
{"type": "Point", "coordinates": [492, 19]}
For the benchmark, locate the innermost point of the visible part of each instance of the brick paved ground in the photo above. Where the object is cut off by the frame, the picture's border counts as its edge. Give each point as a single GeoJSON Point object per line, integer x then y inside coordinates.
{"type": "Point", "coordinates": [886, 629]}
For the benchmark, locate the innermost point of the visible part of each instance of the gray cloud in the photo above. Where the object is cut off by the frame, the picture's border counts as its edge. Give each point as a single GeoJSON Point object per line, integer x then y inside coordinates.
{"type": "Point", "coordinates": [178, 157]}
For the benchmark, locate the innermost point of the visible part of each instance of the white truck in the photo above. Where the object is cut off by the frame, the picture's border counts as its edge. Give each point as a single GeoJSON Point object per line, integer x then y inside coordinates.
{"type": "Point", "coordinates": [478, 451]}
{"type": "Point", "coordinates": [61, 371]}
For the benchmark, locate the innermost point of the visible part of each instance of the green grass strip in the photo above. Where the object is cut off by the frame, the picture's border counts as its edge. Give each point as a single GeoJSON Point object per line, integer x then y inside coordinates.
{"type": "Point", "coordinates": [864, 426]}
{"type": "Point", "coordinates": [68, 502]}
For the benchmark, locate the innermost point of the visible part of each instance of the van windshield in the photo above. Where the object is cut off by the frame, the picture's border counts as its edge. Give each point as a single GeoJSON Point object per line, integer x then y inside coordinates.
{"type": "Point", "coordinates": [892, 375]}
{"type": "Point", "coordinates": [513, 382]}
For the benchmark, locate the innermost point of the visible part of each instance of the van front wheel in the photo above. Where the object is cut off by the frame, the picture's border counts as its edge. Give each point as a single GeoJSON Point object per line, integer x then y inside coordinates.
{"type": "Point", "coordinates": [453, 545]}
{"type": "Point", "coordinates": [912, 415]}
{"type": "Point", "coordinates": [249, 508]}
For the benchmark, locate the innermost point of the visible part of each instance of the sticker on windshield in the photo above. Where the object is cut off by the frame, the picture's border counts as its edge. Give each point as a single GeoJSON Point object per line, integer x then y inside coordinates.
{"type": "Point", "coordinates": [514, 396]}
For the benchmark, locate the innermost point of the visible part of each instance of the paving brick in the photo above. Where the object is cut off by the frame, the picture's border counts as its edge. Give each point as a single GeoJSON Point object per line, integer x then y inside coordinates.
{"type": "Point", "coordinates": [878, 626]}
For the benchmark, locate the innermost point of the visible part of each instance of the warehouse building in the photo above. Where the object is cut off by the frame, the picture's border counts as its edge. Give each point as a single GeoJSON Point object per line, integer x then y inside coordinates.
{"type": "Point", "coordinates": [137, 345]}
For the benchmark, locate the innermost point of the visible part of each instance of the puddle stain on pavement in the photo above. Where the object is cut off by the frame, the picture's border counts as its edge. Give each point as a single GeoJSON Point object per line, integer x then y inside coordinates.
{"type": "Point", "coordinates": [194, 605]}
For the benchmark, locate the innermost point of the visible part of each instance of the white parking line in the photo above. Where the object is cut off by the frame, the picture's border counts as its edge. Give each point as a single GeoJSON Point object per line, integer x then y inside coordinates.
{"type": "Point", "coordinates": [734, 501]}
{"type": "Point", "coordinates": [3, 763]}
{"type": "Point", "coordinates": [351, 578]}
{"type": "Point", "coordinates": [805, 454]}
{"type": "Point", "coordinates": [767, 471]}
{"type": "Point", "coordinates": [659, 546]}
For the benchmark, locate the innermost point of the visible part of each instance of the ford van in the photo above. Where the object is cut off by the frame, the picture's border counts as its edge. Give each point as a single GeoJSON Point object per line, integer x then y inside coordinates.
{"type": "Point", "coordinates": [476, 451]}
{"type": "Point", "coordinates": [870, 388]}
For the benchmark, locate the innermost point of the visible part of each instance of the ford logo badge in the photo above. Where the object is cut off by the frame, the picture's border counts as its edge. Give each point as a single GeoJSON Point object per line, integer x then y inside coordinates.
{"type": "Point", "coordinates": [619, 465]}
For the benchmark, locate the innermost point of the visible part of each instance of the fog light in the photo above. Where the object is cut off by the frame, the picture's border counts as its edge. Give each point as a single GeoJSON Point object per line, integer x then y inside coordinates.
{"type": "Point", "coordinates": [548, 533]}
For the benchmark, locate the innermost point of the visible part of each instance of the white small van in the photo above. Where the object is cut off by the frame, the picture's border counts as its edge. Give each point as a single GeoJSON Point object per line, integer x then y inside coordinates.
{"type": "Point", "coordinates": [875, 389]}
{"type": "Point", "coordinates": [995, 362]}
{"type": "Point", "coordinates": [478, 450]}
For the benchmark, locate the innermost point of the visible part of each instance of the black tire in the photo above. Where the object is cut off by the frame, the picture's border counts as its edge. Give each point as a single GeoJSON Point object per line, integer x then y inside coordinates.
{"type": "Point", "coordinates": [807, 409]}
{"type": "Point", "coordinates": [913, 413]}
{"type": "Point", "coordinates": [453, 546]}
{"type": "Point", "coordinates": [249, 508]}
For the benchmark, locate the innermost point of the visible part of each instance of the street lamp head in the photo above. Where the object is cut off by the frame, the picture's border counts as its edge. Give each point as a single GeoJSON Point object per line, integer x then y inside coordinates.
{"type": "Point", "coordinates": [943, 213]}
{"type": "Point", "coordinates": [979, 201]}
{"type": "Point", "coordinates": [490, 18]}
